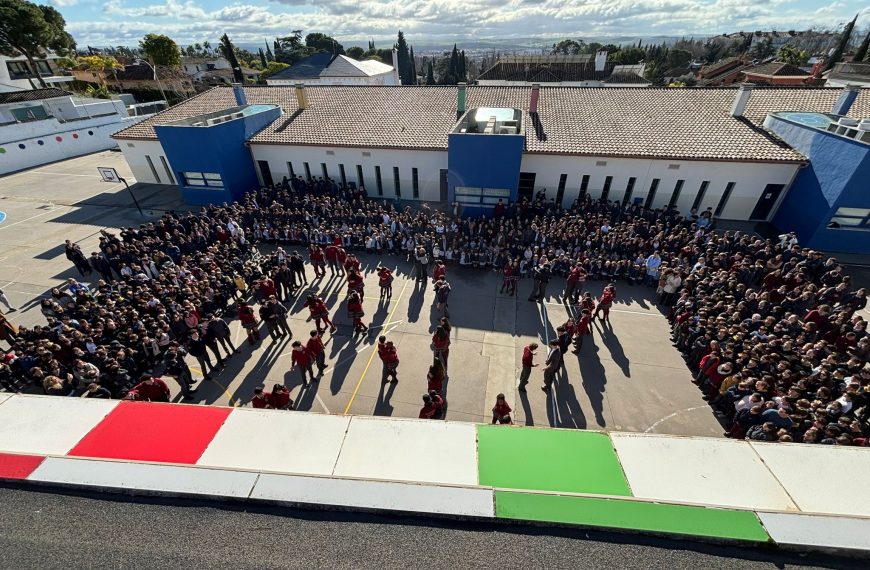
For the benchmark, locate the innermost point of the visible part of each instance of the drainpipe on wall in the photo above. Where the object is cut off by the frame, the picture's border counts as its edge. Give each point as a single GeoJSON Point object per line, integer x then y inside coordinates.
{"type": "Point", "coordinates": [460, 100]}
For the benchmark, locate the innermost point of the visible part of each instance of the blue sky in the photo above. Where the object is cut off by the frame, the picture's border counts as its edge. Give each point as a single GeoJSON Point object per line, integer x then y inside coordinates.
{"type": "Point", "coordinates": [123, 22]}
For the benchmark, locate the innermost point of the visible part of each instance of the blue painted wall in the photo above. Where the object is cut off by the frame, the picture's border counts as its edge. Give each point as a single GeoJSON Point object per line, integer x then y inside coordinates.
{"type": "Point", "coordinates": [217, 148]}
{"type": "Point", "coordinates": [483, 161]}
{"type": "Point", "coordinates": [838, 176]}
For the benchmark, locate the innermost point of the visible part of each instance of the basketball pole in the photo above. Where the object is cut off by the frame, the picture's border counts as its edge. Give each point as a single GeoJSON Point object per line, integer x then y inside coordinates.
{"type": "Point", "coordinates": [135, 201]}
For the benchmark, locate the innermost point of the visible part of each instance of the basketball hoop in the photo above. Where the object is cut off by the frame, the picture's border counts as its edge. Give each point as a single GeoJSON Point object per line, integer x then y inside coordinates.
{"type": "Point", "coordinates": [108, 174]}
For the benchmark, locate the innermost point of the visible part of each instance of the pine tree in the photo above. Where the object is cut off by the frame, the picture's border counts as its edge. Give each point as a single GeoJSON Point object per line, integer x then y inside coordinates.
{"type": "Point", "coordinates": [841, 47]}
{"type": "Point", "coordinates": [430, 75]}
{"type": "Point", "coordinates": [269, 56]}
{"type": "Point", "coordinates": [403, 55]}
{"type": "Point", "coordinates": [861, 54]}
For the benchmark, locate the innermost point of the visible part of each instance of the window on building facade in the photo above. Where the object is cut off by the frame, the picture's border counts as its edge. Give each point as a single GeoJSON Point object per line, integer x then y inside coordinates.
{"type": "Point", "coordinates": [18, 69]}
{"type": "Point", "coordinates": [481, 196]}
{"type": "Point", "coordinates": [678, 187]}
{"type": "Point", "coordinates": [851, 218]}
{"type": "Point", "coordinates": [290, 170]}
{"type": "Point", "coordinates": [584, 185]}
{"type": "Point", "coordinates": [651, 195]}
{"type": "Point", "coordinates": [324, 170]}
{"type": "Point", "coordinates": [342, 174]}
{"type": "Point", "coordinates": [153, 170]}
{"type": "Point", "coordinates": [378, 181]}
{"type": "Point", "coordinates": [699, 199]}
{"type": "Point", "coordinates": [629, 190]}
{"type": "Point", "coordinates": [168, 171]}
{"type": "Point", "coordinates": [723, 201]}
{"type": "Point", "coordinates": [605, 192]}
{"type": "Point", "coordinates": [415, 183]}
{"type": "Point", "coordinates": [560, 192]}
{"type": "Point", "coordinates": [360, 179]}
{"type": "Point", "coordinates": [205, 179]}
{"type": "Point", "coordinates": [396, 184]}
{"type": "Point", "coordinates": [307, 171]}
{"type": "Point", "coordinates": [43, 68]}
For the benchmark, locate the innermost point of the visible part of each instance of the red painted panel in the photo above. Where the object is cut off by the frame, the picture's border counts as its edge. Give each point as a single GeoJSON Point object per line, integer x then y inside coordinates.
{"type": "Point", "coordinates": [14, 466]}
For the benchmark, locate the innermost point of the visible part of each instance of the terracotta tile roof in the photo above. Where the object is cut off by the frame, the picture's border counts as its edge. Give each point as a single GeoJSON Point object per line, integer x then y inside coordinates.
{"type": "Point", "coordinates": [545, 71]}
{"type": "Point", "coordinates": [626, 122]}
{"type": "Point", "coordinates": [626, 77]}
{"type": "Point", "coordinates": [776, 69]}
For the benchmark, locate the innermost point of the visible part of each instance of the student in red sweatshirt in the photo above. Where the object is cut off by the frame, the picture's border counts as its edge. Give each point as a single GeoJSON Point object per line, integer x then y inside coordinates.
{"type": "Point", "coordinates": [316, 349]}
{"type": "Point", "coordinates": [301, 358]}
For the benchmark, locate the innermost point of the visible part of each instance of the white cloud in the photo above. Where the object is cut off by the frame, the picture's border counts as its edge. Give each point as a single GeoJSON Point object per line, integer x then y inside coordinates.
{"type": "Point", "coordinates": [63, 3]}
{"type": "Point", "coordinates": [354, 21]}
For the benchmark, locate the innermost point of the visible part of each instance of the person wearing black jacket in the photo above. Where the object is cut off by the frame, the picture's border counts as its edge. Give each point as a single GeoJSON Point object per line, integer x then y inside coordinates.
{"type": "Point", "coordinates": [297, 267]}
{"type": "Point", "coordinates": [175, 366]}
{"type": "Point", "coordinates": [220, 331]}
{"type": "Point", "coordinates": [196, 345]}
{"type": "Point", "coordinates": [541, 276]}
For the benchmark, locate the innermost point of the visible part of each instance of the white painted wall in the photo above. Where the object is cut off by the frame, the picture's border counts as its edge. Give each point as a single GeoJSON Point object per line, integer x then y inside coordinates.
{"type": "Point", "coordinates": [749, 178]}
{"type": "Point", "coordinates": [137, 152]}
{"type": "Point", "coordinates": [382, 79]}
{"type": "Point", "coordinates": [427, 163]}
{"type": "Point", "coordinates": [77, 138]}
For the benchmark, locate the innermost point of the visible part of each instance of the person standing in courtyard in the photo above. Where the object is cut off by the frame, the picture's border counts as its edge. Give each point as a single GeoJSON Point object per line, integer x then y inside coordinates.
{"type": "Point", "coordinates": [441, 345]}
{"type": "Point", "coordinates": [319, 312]}
{"type": "Point", "coordinates": [574, 284]}
{"type": "Point", "coordinates": [249, 321]}
{"type": "Point", "coordinates": [317, 350]}
{"type": "Point", "coordinates": [389, 359]}
{"type": "Point", "coordinates": [280, 313]}
{"type": "Point", "coordinates": [442, 293]}
{"type": "Point", "coordinates": [355, 312]}
{"type": "Point", "coordinates": [528, 362]}
{"type": "Point", "coordinates": [433, 405]}
{"type": "Point", "coordinates": [385, 282]}
{"type": "Point", "coordinates": [605, 302]}
{"type": "Point", "coordinates": [302, 359]}
{"type": "Point", "coordinates": [552, 364]}
{"type": "Point", "coordinates": [540, 276]}
{"type": "Point", "coordinates": [509, 278]}
{"type": "Point", "coordinates": [5, 300]}
{"type": "Point", "coordinates": [260, 400]}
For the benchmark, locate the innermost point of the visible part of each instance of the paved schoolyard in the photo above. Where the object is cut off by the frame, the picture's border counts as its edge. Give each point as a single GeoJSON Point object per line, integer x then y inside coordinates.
{"type": "Point", "coordinates": [627, 377]}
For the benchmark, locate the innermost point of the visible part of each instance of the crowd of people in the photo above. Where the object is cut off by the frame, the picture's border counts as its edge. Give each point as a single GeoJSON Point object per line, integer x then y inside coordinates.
{"type": "Point", "coordinates": [773, 330]}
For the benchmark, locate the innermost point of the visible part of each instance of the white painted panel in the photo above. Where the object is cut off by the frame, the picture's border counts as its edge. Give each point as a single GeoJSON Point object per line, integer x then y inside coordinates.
{"type": "Point", "coordinates": [48, 424]}
{"type": "Point", "coordinates": [819, 531]}
{"type": "Point", "coordinates": [274, 440]}
{"type": "Point", "coordinates": [383, 495]}
{"type": "Point", "coordinates": [698, 470]}
{"type": "Point", "coordinates": [136, 151]}
{"type": "Point", "coordinates": [802, 470]}
{"type": "Point", "coordinates": [409, 450]}
{"type": "Point", "coordinates": [145, 477]}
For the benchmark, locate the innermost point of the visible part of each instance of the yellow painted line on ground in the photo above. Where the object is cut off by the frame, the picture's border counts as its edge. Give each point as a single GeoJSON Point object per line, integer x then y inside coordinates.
{"type": "Point", "coordinates": [222, 387]}
{"type": "Point", "coordinates": [374, 352]}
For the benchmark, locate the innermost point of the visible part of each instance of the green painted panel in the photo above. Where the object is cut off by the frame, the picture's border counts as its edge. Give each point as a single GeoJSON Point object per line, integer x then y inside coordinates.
{"type": "Point", "coordinates": [631, 515]}
{"type": "Point", "coordinates": [549, 460]}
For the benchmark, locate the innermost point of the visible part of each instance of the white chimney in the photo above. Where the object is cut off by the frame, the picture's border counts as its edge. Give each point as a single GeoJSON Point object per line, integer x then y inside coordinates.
{"type": "Point", "coordinates": [600, 59]}
{"type": "Point", "coordinates": [741, 99]}
{"type": "Point", "coordinates": [396, 79]}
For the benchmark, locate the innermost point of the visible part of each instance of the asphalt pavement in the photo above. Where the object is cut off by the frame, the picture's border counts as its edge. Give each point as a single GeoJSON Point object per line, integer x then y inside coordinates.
{"type": "Point", "coordinates": [46, 530]}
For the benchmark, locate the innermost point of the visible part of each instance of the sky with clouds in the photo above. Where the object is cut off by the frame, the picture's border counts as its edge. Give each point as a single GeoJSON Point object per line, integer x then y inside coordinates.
{"type": "Point", "coordinates": [124, 22]}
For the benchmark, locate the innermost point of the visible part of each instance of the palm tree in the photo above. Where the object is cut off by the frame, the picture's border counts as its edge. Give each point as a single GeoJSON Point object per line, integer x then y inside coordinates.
{"type": "Point", "coordinates": [207, 47]}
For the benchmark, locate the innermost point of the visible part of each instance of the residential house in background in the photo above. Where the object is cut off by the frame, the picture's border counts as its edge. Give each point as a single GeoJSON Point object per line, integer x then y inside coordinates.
{"type": "Point", "coordinates": [585, 70]}
{"type": "Point", "coordinates": [140, 75]}
{"type": "Point", "coordinates": [16, 73]}
{"type": "Point", "coordinates": [777, 73]}
{"type": "Point", "coordinates": [210, 71]}
{"type": "Point", "coordinates": [844, 74]}
{"type": "Point", "coordinates": [331, 69]}
{"type": "Point", "coordinates": [723, 72]}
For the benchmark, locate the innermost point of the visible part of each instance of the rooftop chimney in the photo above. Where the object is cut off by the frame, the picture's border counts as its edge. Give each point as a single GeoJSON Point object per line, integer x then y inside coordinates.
{"type": "Point", "coordinates": [845, 100]}
{"type": "Point", "coordinates": [741, 99]}
{"type": "Point", "coordinates": [240, 94]}
{"type": "Point", "coordinates": [396, 78]}
{"type": "Point", "coordinates": [600, 59]}
{"type": "Point", "coordinates": [301, 96]}
{"type": "Point", "coordinates": [460, 100]}
{"type": "Point", "coordinates": [533, 102]}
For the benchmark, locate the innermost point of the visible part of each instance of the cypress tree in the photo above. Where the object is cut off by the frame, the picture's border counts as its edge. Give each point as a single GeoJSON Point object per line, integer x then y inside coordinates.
{"type": "Point", "coordinates": [412, 67]}
{"type": "Point", "coordinates": [841, 47]}
{"type": "Point", "coordinates": [269, 56]}
{"type": "Point", "coordinates": [861, 54]}
{"type": "Point", "coordinates": [462, 76]}
{"type": "Point", "coordinates": [430, 75]}
{"type": "Point", "coordinates": [453, 68]}
{"type": "Point", "coordinates": [402, 56]}
{"type": "Point", "coordinates": [263, 60]}
{"type": "Point", "coordinates": [229, 52]}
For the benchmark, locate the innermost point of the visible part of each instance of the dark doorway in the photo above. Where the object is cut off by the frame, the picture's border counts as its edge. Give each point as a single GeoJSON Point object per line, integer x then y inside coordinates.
{"type": "Point", "coordinates": [526, 188]}
{"type": "Point", "coordinates": [265, 173]}
{"type": "Point", "coordinates": [766, 202]}
{"type": "Point", "coordinates": [443, 179]}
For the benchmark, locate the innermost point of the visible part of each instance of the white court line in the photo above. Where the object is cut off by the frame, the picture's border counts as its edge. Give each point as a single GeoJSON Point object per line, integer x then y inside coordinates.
{"type": "Point", "coordinates": [320, 401]}
{"type": "Point", "coordinates": [4, 226]}
{"type": "Point", "coordinates": [647, 313]}
{"type": "Point", "coordinates": [669, 416]}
